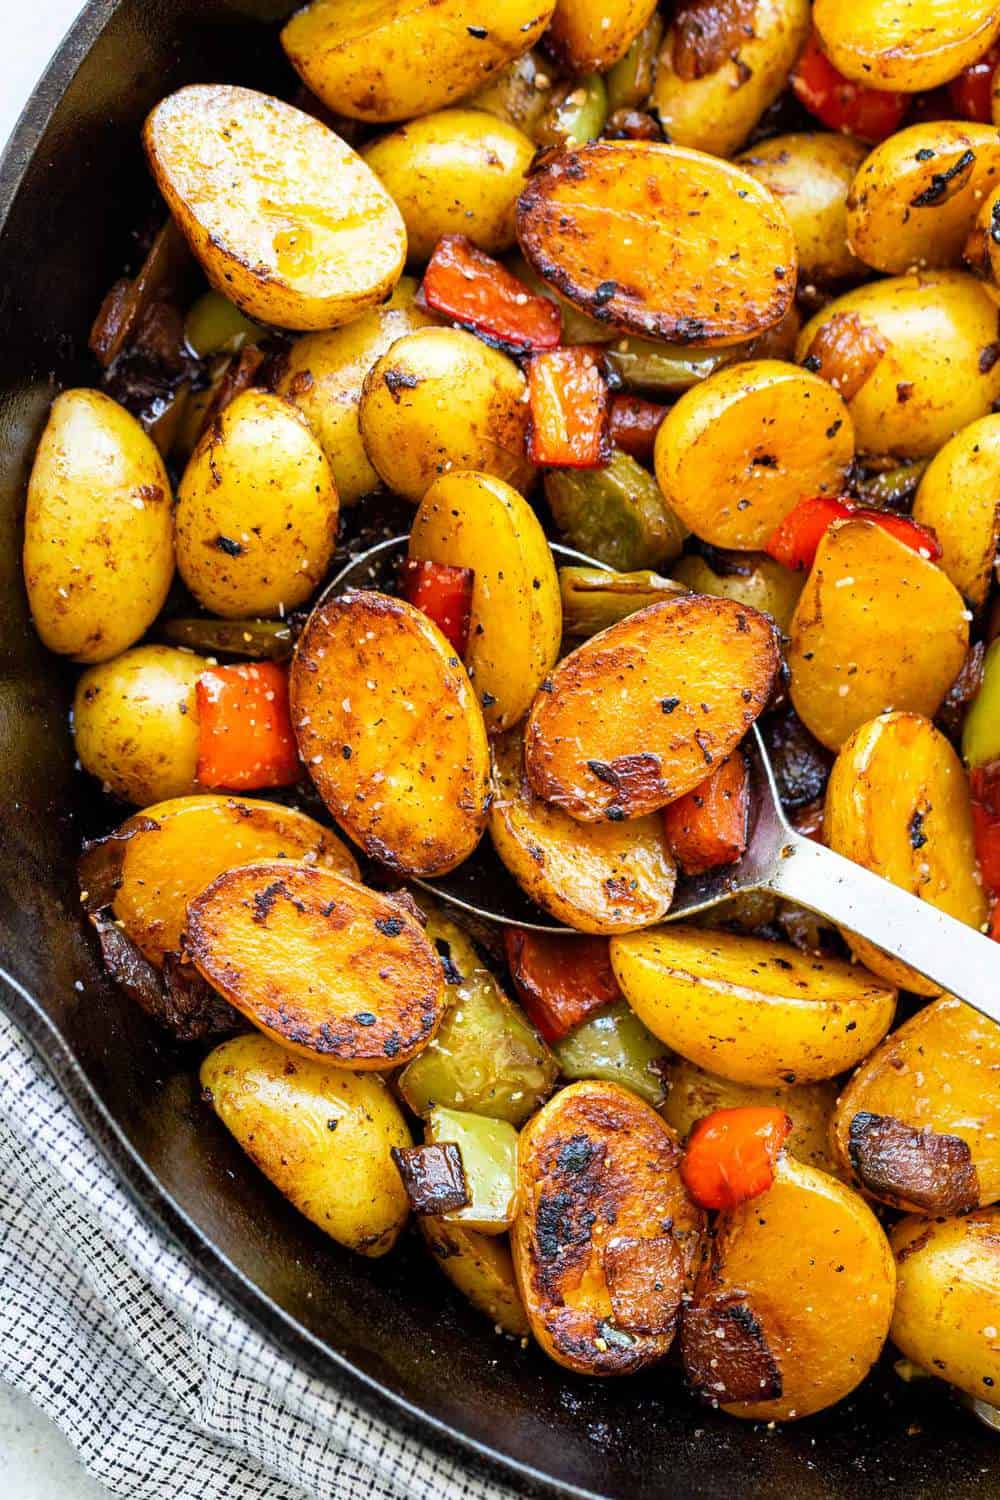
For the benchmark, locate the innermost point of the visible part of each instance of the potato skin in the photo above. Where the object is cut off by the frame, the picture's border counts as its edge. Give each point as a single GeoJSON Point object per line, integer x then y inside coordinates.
{"type": "Point", "coordinates": [135, 723]}
{"type": "Point", "coordinates": [256, 510]}
{"type": "Point", "coordinates": [98, 529]}
{"type": "Point", "coordinates": [480, 1266]}
{"type": "Point", "coordinates": [458, 171]}
{"type": "Point", "coordinates": [236, 168]}
{"type": "Point", "coordinates": [588, 36]}
{"type": "Point", "coordinates": [322, 1136]}
{"type": "Point", "coordinates": [810, 174]}
{"type": "Point", "coordinates": [957, 496]}
{"type": "Point", "coordinates": [905, 47]}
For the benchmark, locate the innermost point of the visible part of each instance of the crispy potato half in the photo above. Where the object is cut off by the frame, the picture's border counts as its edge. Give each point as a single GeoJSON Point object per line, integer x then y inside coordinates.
{"type": "Point", "coordinates": [751, 1010]}
{"type": "Point", "coordinates": [606, 1239]}
{"type": "Point", "coordinates": [959, 496]}
{"type": "Point", "coordinates": [739, 451]}
{"type": "Point", "coordinates": [898, 803]}
{"type": "Point", "coordinates": [877, 626]}
{"type": "Point", "coordinates": [588, 36]}
{"type": "Point", "coordinates": [322, 1135]}
{"type": "Point", "coordinates": [793, 1303]}
{"type": "Point", "coordinates": [596, 877]}
{"type": "Point", "coordinates": [919, 1122]}
{"type": "Point", "coordinates": [905, 45]}
{"type": "Point", "coordinates": [592, 223]}
{"type": "Point", "coordinates": [284, 218]}
{"type": "Point", "coordinates": [810, 174]}
{"type": "Point", "coordinates": [388, 724]}
{"type": "Point", "coordinates": [329, 969]}
{"type": "Point", "coordinates": [480, 1266]}
{"type": "Point", "coordinates": [637, 716]}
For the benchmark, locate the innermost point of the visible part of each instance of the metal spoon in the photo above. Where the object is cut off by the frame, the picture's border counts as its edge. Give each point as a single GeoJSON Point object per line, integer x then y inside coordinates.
{"type": "Point", "coordinates": [778, 859]}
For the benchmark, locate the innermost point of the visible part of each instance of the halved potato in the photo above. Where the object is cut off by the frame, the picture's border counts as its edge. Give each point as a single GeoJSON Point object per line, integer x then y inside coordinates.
{"type": "Point", "coordinates": [810, 174]}
{"type": "Point", "coordinates": [739, 451]}
{"type": "Point", "coordinates": [751, 1010]}
{"type": "Point", "coordinates": [515, 627]}
{"type": "Point", "coordinates": [659, 240]}
{"type": "Point", "coordinates": [285, 219]}
{"type": "Point", "coordinates": [588, 36]}
{"type": "Point", "coordinates": [638, 715]}
{"type": "Point", "coordinates": [905, 45]}
{"type": "Point", "coordinates": [877, 627]}
{"type": "Point", "coordinates": [898, 803]}
{"type": "Point", "coordinates": [481, 1267]}
{"type": "Point", "coordinates": [322, 1135]}
{"type": "Point", "coordinates": [606, 1239]}
{"type": "Point", "coordinates": [388, 724]}
{"type": "Point", "coordinates": [959, 497]}
{"type": "Point", "coordinates": [327, 968]}
{"type": "Point", "coordinates": [596, 877]}
{"type": "Point", "coordinates": [919, 1122]}
{"type": "Point", "coordinates": [792, 1307]}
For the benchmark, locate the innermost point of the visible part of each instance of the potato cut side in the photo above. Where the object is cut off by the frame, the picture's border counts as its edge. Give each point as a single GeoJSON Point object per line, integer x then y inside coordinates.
{"type": "Point", "coordinates": [638, 715]}
{"type": "Point", "coordinates": [604, 1218]}
{"type": "Point", "coordinates": [388, 724]}
{"type": "Point", "coordinates": [905, 45]}
{"type": "Point", "coordinates": [596, 877]}
{"type": "Point", "coordinates": [285, 219]}
{"type": "Point", "coordinates": [659, 240]}
{"type": "Point", "coordinates": [325, 967]}
{"type": "Point", "coordinates": [750, 1010]}
{"type": "Point", "coordinates": [959, 497]}
{"type": "Point", "coordinates": [481, 1268]}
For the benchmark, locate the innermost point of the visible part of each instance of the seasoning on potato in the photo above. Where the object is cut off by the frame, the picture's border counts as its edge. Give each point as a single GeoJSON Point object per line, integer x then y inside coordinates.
{"type": "Point", "coordinates": [959, 498]}
{"type": "Point", "coordinates": [906, 47]}
{"type": "Point", "coordinates": [810, 174]}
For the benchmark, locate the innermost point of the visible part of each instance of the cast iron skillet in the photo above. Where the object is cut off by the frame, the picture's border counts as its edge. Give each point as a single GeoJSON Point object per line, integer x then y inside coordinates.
{"type": "Point", "coordinates": [392, 1333]}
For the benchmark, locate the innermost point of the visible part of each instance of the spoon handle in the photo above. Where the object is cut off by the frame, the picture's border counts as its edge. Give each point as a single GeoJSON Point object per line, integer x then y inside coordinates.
{"type": "Point", "coordinates": [958, 958]}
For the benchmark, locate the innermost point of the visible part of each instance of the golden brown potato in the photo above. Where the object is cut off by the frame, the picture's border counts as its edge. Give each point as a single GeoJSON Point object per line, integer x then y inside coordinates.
{"type": "Point", "coordinates": [135, 722]}
{"type": "Point", "coordinates": [959, 497]}
{"type": "Point", "coordinates": [406, 57]}
{"type": "Point", "coordinates": [98, 529]}
{"type": "Point", "coordinates": [948, 1299]}
{"type": "Point", "coordinates": [322, 1135]}
{"type": "Point", "coordinates": [877, 627]}
{"type": "Point", "coordinates": [919, 1122]}
{"type": "Point", "coordinates": [475, 521]}
{"type": "Point", "coordinates": [751, 578]}
{"type": "Point", "coordinates": [588, 36]}
{"type": "Point", "coordinates": [663, 278]}
{"type": "Point", "coordinates": [623, 727]}
{"type": "Point", "coordinates": [715, 77]}
{"type": "Point", "coordinates": [793, 1305]}
{"type": "Point", "coordinates": [481, 1267]}
{"type": "Point", "coordinates": [751, 1010]}
{"type": "Point", "coordinates": [898, 803]}
{"type": "Point", "coordinates": [325, 967]}
{"type": "Point", "coordinates": [458, 171]}
{"type": "Point", "coordinates": [905, 45]}
{"type": "Point", "coordinates": [441, 399]}
{"type": "Point", "coordinates": [389, 726]}
{"type": "Point", "coordinates": [810, 174]}
{"type": "Point", "coordinates": [606, 1239]}
{"type": "Point", "coordinates": [596, 877]}
{"type": "Point", "coordinates": [285, 219]}
{"type": "Point", "coordinates": [739, 451]}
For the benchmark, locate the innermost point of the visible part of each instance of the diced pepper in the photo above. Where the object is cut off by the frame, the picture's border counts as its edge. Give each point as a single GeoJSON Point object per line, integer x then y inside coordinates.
{"type": "Point", "coordinates": [662, 369]}
{"type": "Point", "coordinates": [795, 540]}
{"type": "Point", "coordinates": [489, 1163]}
{"type": "Point", "coordinates": [444, 594]}
{"type": "Point", "coordinates": [616, 1047]}
{"type": "Point", "coordinates": [981, 731]}
{"type": "Point", "coordinates": [630, 80]}
{"type": "Point", "coordinates": [474, 290]}
{"type": "Point", "coordinates": [871, 114]}
{"type": "Point", "coordinates": [634, 425]}
{"type": "Point", "coordinates": [913, 533]}
{"type": "Point", "coordinates": [569, 409]}
{"type": "Point", "coordinates": [708, 826]}
{"type": "Point", "coordinates": [245, 738]}
{"type": "Point", "coordinates": [985, 782]}
{"type": "Point", "coordinates": [971, 93]}
{"type": "Point", "coordinates": [593, 598]}
{"type": "Point", "coordinates": [273, 639]}
{"type": "Point", "coordinates": [560, 981]}
{"type": "Point", "coordinates": [617, 515]}
{"type": "Point", "coordinates": [730, 1155]}
{"type": "Point", "coordinates": [576, 113]}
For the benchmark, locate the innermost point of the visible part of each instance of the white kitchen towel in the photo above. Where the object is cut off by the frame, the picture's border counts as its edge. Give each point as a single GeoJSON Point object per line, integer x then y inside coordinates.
{"type": "Point", "coordinates": [163, 1390]}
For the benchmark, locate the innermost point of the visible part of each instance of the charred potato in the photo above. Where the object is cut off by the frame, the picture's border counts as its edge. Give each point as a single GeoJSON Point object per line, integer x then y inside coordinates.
{"type": "Point", "coordinates": [481, 1268]}
{"type": "Point", "coordinates": [810, 175]}
{"type": "Point", "coordinates": [959, 498]}
{"type": "Point", "coordinates": [906, 46]}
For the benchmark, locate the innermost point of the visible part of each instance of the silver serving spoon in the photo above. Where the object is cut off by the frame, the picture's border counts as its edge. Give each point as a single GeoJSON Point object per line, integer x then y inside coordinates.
{"type": "Point", "coordinates": [778, 859]}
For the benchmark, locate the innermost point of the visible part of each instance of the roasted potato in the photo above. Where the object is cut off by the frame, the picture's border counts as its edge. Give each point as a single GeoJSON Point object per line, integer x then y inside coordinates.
{"type": "Point", "coordinates": [919, 1122]}
{"type": "Point", "coordinates": [388, 724]}
{"type": "Point", "coordinates": [440, 399]}
{"type": "Point", "coordinates": [322, 1135]}
{"type": "Point", "coordinates": [622, 728]}
{"type": "Point", "coordinates": [810, 174]}
{"type": "Point", "coordinates": [606, 1238]}
{"type": "Point", "coordinates": [328, 969]}
{"type": "Point", "coordinates": [515, 626]}
{"type": "Point", "coordinates": [135, 723]}
{"type": "Point", "coordinates": [596, 877]}
{"type": "Point", "coordinates": [663, 285]}
{"type": "Point", "coordinates": [959, 498]}
{"type": "Point", "coordinates": [792, 1305]}
{"type": "Point", "coordinates": [898, 803]}
{"type": "Point", "coordinates": [98, 529]}
{"type": "Point", "coordinates": [750, 1010]}
{"type": "Point", "coordinates": [749, 578]}
{"type": "Point", "coordinates": [285, 219]}
{"type": "Point", "coordinates": [739, 451]}
{"type": "Point", "coordinates": [588, 36]}
{"type": "Point", "coordinates": [905, 45]}
{"type": "Point", "coordinates": [877, 626]}
{"type": "Point", "coordinates": [481, 1267]}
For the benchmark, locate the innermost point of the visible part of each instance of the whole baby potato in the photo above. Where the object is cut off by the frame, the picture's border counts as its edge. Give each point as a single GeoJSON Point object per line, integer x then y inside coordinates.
{"type": "Point", "coordinates": [810, 174]}
{"type": "Point", "coordinates": [98, 529]}
{"type": "Point", "coordinates": [959, 498]}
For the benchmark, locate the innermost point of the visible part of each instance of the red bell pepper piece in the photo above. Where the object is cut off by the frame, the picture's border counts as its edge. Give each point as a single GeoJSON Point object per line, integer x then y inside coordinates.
{"type": "Point", "coordinates": [245, 738]}
{"type": "Point", "coordinates": [634, 425]}
{"type": "Point", "coordinates": [840, 104]}
{"type": "Point", "coordinates": [971, 93]}
{"type": "Point", "coordinates": [569, 409]}
{"type": "Point", "coordinates": [478, 293]}
{"type": "Point", "coordinates": [730, 1155]}
{"type": "Point", "coordinates": [444, 594]}
{"type": "Point", "coordinates": [560, 981]}
{"type": "Point", "coordinates": [708, 826]}
{"type": "Point", "coordinates": [795, 539]}
{"type": "Point", "coordinates": [985, 783]}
